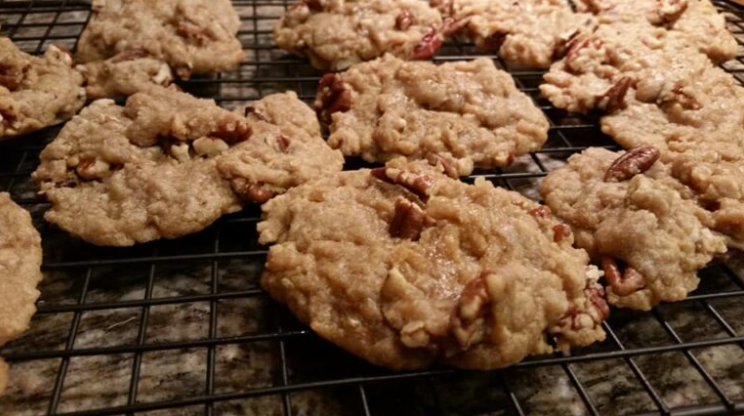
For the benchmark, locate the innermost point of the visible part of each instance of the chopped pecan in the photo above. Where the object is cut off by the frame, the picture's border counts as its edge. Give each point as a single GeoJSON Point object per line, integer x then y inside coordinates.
{"type": "Point", "coordinates": [333, 96]}
{"type": "Point", "coordinates": [574, 45]}
{"type": "Point", "coordinates": [404, 20]}
{"type": "Point", "coordinates": [633, 162]}
{"type": "Point", "coordinates": [409, 220]}
{"type": "Point", "coordinates": [446, 164]}
{"type": "Point", "coordinates": [252, 192]}
{"type": "Point", "coordinates": [253, 111]}
{"type": "Point", "coordinates": [494, 41]}
{"type": "Point", "coordinates": [625, 283]}
{"type": "Point", "coordinates": [233, 131]}
{"type": "Point", "coordinates": [429, 45]}
{"type": "Point", "coordinates": [614, 98]}
{"type": "Point", "coordinates": [283, 142]}
{"type": "Point", "coordinates": [596, 295]}
{"type": "Point", "coordinates": [417, 183]}
{"type": "Point", "coordinates": [129, 55]}
{"type": "Point", "coordinates": [470, 308]}
{"type": "Point", "coordinates": [540, 212]}
{"type": "Point", "coordinates": [452, 25]}
{"type": "Point", "coordinates": [91, 168]}
{"type": "Point", "coordinates": [564, 45]}
{"type": "Point", "coordinates": [683, 97]}
{"type": "Point", "coordinates": [191, 31]}
{"type": "Point", "coordinates": [560, 232]}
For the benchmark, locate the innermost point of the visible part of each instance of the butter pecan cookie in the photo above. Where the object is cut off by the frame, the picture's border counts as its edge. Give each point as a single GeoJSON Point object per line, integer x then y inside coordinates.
{"type": "Point", "coordinates": [190, 36]}
{"type": "Point", "coordinates": [20, 273]}
{"type": "Point", "coordinates": [467, 114]}
{"type": "Point", "coordinates": [529, 33]}
{"type": "Point", "coordinates": [152, 169]}
{"type": "Point", "coordinates": [36, 92]}
{"type": "Point", "coordinates": [335, 34]}
{"type": "Point", "coordinates": [637, 220]}
{"type": "Point", "coordinates": [405, 266]}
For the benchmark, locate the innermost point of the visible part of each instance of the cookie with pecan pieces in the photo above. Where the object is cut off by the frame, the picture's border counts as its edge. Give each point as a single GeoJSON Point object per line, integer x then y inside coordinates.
{"type": "Point", "coordinates": [526, 33]}
{"type": "Point", "coordinates": [20, 273]}
{"type": "Point", "coordinates": [152, 169]}
{"type": "Point", "coordinates": [36, 92]}
{"type": "Point", "coordinates": [190, 36]}
{"type": "Point", "coordinates": [335, 34]}
{"type": "Point", "coordinates": [632, 216]}
{"type": "Point", "coordinates": [405, 266]}
{"type": "Point", "coordinates": [466, 114]}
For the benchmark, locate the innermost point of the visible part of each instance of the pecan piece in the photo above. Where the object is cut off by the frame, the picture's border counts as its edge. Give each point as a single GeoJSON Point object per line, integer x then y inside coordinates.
{"type": "Point", "coordinates": [404, 20]}
{"type": "Point", "coordinates": [253, 111]}
{"type": "Point", "coordinates": [683, 97]}
{"type": "Point", "coordinates": [447, 165]}
{"type": "Point", "coordinates": [560, 232]}
{"type": "Point", "coordinates": [614, 98]}
{"type": "Point", "coordinates": [596, 295]}
{"type": "Point", "coordinates": [540, 212]}
{"type": "Point", "coordinates": [625, 283]}
{"type": "Point", "coordinates": [429, 45]}
{"type": "Point", "coordinates": [61, 53]}
{"type": "Point", "coordinates": [232, 132]}
{"type": "Point", "coordinates": [469, 309]}
{"type": "Point", "coordinates": [417, 183]}
{"type": "Point", "coordinates": [452, 25]}
{"type": "Point", "coordinates": [633, 162]}
{"type": "Point", "coordinates": [409, 220]}
{"type": "Point", "coordinates": [333, 96]}
{"type": "Point", "coordinates": [252, 192]}
{"type": "Point", "coordinates": [192, 32]}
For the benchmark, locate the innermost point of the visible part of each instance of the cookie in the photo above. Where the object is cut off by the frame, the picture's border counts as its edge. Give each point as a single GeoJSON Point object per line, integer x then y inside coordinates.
{"type": "Point", "coordinates": [405, 266]}
{"type": "Point", "coordinates": [125, 74]}
{"type": "Point", "coordinates": [468, 114]}
{"type": "Point", "coordinates": [36, 92]}
{"type": "Point", "coordinates": [335, 34]}
{"type": "Point", "coordinates": [151, 169]}
{"type": "Point", "coordinates": [191, 36]}
{"type": "Point", "coordinates": [20, 273]}
{"type": "Point", "coordinates": [698, 20]}
{"type": "Point", "coordinates": [525, 34]}
{"type": "Point", "coordinates": [632, 216]}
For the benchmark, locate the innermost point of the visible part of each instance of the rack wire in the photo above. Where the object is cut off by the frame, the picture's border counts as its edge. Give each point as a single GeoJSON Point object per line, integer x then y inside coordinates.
{"type": "Point", "coordinates": [182, 327]}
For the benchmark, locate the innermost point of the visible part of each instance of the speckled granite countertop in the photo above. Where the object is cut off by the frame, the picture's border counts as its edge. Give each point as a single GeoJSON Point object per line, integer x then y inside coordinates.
{"type": "Point", "coordinates": [244, 346]}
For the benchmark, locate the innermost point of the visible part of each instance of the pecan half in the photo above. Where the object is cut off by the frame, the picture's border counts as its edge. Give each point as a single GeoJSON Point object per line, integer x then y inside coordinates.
{"type": "Point", "coordinates": [469, 309]}
{"type": "Point", "coordinates": [560, 232]}
{"type": "Point", "coordinates": [614, 98]}
{"type": "Point", "coordinates": [633, 162]}
{"type": "Point", "coordinates": [625, 283]}
{"type": "Point", "coordinates": [252, 192]}
{"type": "Point", "coordinates": [404, 20]}
{"type": "Point", "coordinates": [429, 45]}
{"type": "Point", "coordinates": [192, 32]}
{"type": "Point", "coordinates": [333, 96]}
{"type": "Point", "coordinates": [409, 220]}
{"type": "Point", "coordinates": [417, 183]}
{"type": "Point", "coordinates": [232, 132]}
{"type": "Point", "coordinates": [447, 165]}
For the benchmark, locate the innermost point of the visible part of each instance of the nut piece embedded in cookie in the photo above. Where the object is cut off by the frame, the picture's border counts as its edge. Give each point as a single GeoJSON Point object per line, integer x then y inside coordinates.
{"type": "Point", "coordinates": [36, 92]}
{"type": "Point", "coordinates": [642, 224]}
{"type": "Point", "coordinates": [467, 114]}
{"type": "Point", "coordinates": [467, 278]}
{"type": "Point", "coordinates": [20, 273]}
{"type": "Point", "coordinates": [336, 34]}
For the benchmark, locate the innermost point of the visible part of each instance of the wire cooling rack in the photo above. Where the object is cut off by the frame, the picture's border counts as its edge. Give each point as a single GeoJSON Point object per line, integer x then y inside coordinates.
{"type": "Point", "coordinates": [182, 327]}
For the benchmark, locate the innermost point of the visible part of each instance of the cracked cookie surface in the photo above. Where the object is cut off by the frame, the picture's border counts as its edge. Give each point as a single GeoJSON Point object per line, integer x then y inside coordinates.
{"type": "Point", "coordinates": [469, 114]}
{"type": "Point", "coordinates": [335, 34]}
{"type": "Point", "coordinates": [36, 92]}
{"type": "Point", "coordinates": [405, 266]}
{"type": "Point", "coordinates": [20, 273]}
{"type": "Point", "coordinates": [635, 218]}
{"type": "Point", "coordinates": [153, 168]}
{"type": "Point", "coordinates": [191, 36]}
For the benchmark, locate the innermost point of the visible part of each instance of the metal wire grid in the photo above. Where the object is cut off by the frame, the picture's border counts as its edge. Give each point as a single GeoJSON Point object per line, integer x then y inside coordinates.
{"type": "Point", "coordinates": [137, 340]}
